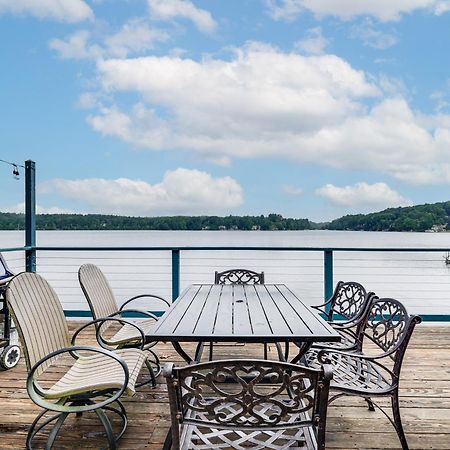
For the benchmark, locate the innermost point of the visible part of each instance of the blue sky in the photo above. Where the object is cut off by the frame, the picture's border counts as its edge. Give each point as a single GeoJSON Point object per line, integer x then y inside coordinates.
{"type": "Point", "coordinates": [158, 107]}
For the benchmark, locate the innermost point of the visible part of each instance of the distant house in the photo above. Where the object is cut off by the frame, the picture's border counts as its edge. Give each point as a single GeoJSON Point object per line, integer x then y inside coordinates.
{"type": "Point", "coordinates": [438, 228]}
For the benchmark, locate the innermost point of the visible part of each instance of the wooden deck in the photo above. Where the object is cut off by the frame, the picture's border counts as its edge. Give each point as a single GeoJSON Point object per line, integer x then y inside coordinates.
{"type": "Point", "coordinates": [425, 391]}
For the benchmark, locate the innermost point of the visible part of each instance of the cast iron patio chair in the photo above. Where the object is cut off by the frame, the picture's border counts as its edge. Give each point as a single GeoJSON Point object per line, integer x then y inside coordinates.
{"type": "Point", "coordinates": [238, 276]}
{"type": "Point", "coordinates": [94, 381]}
{"type": "Point", "coordinates": [102, 303]}
{"type": "Point", "coordinates": [388, 329]}
{"type": "Point", "coordinates": [346, 312]}
{"type": "Point", "coordinates": [244, 404]}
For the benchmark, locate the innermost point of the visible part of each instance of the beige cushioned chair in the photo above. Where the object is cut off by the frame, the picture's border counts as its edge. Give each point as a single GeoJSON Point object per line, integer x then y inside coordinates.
{"type": "Point", "coordinates": [97, 377]}
{"type": "Point", "coordinates": [102, 303]}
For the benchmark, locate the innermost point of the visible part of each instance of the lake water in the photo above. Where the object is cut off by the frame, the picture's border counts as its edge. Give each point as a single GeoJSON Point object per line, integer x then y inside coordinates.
{"type": "Point", "coordinates": [420, 279]}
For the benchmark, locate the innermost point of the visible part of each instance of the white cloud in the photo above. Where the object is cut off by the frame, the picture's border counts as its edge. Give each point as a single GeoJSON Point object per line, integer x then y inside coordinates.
{"type": "Point", "coordinates": [377, 195]}
{"type": "Point", "coordinates": [75, 46]}
{"type": "Point", "coordinates": [20, 209]}
{"type": "Point", "coordinates": [314, 44]}
{"type": "Point", "coordinates": [61, 10]}
{"type": "Point", "coordinates": [182, 191]}
{"type": "Point", "coordinates": [383, 10]}
{"type": "Point", "coordinates": [171, 9]}
{"type": "Point", "coordinates": [135, 37]}
{"type": "Point", "coordinates": [372, 37]}
{"type": "Point", "coordinates": [292, 190]}
{"type": "Point", "coordinates": [265, 103]}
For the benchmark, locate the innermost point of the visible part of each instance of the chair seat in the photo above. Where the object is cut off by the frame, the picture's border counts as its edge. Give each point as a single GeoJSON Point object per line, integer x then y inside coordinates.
{"type": "Point", "coordinates": [200, 437]}
{"type": "Point", "coordinates": [346, 342]}
{"type": "Point", "coordinates": [128, 333]}
{"type": "Point", "coordinates": [98, 372]}
{"type": "Point", "coordinates": [354, 373]}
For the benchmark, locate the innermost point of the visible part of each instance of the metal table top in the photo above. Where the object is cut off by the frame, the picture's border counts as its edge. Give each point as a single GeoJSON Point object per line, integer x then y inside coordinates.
{"type": "Point", "coordinates": [244, 313]}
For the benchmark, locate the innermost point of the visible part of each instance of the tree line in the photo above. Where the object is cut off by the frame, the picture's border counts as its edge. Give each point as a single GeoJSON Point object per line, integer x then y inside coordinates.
{"type": "Point", "coordinates": [434, 217]}
{"type": "Point", "coordinates": [11, 221]}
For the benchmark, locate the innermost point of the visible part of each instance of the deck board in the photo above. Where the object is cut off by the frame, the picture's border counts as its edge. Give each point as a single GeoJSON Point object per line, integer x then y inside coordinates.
{"type": "Point", "coordinates": [425, 402]}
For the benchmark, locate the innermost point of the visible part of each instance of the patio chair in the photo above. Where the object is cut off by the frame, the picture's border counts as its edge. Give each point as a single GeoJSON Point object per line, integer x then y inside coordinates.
{"type": "Point", "coordinates": [346, 312]}
{"type": "Point", "coordinates": [94, 381]}
{"type": "Point", "coordinates": [244, 404]}
{"type": "Point", "coordinates": [388, 328]}
{"type": "Point", "coordinates": [238, 276]}
{"type": "Point", "coordinates": [102, 303]}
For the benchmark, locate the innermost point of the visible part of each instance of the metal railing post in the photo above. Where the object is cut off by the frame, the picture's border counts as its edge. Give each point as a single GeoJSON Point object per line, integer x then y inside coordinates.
{"type": "Point", "coordinates": [328, 273]}
{"type": "Point", "coordinates": [175, 274]}
{"type": "Point", "coordinates": [30, 216]}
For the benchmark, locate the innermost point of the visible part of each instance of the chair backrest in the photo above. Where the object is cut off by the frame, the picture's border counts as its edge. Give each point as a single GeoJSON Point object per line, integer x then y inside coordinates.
{"type": "Point", "coordinates": [98, 292]}
{"type": "Point", "coordinates": [389, 327]}
{"type": "Point", "coordinates": [39, 317]}
{"type": "Point", "coordinates": [239, 276]}
{"type": "Point", "coordinates": [248, 394]}
{"type": "Point", "coordinates": [350, 300]}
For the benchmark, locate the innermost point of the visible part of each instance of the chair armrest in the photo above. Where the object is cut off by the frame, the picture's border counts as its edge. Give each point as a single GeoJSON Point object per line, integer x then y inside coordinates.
{"type": "Point", "coordinates": [144, 295]}
{"type": "Point", "coordinates": [100, 340]}
{"type": "Point", "coordinates": [322, 305]}
{"type": "Point", "coordinates": [37, 393]}
{"type": "Point", "coordinates": [140, 311]}
{"type": "Point", "coordinates": [323, 359]}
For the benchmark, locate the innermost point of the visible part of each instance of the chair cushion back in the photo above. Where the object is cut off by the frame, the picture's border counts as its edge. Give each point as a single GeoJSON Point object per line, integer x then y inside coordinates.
{"type": "Point", "coordinates": [39, 317]}
{"type": "Point", "coordinates": [239, 276]}
{"type": "Point", "coordinates": [97, 291]}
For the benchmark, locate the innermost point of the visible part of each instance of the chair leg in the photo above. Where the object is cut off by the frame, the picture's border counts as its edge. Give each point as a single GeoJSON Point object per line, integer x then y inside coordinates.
{"type": "Point", "coordinates": [370, 404]}
{"type": "Point", "coordinates": [152, 374]}
{"type": "Point", "coordinates": [55, 430]}
{"type": "Point", "coordinates": [398, 420]}
{"type": "Point", "coordinates": [168, 441]}
{"type": "Point", "coordinates": [265, 351]}
{"type": "Point", "coordinates": [33, 430]}
{"type": "Point", "coordinates": [156, 362]}
{"type": "Point", "coordinates": [123, 416]}
{"type": "Point", "coordinates": [211, 350]}
{"type": "Point", "coordinates": [107, 425]}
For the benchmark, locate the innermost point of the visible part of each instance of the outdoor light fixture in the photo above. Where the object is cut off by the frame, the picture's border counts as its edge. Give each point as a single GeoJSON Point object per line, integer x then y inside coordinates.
{"type": "Point", "coordinates": [15, 172]}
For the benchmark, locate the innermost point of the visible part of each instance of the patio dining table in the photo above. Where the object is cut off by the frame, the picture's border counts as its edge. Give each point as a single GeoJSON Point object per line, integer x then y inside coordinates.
{"type": "Point", "coordinates": [260, 313]}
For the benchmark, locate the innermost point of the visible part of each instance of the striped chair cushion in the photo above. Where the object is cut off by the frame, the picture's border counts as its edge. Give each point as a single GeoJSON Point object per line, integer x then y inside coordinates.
{"type": "Point", "coordinates": [39, 317]}
{"type": "Point", "coordinates": [98, 372]}
{"type": "Point", "coordinates": [98, 292]}
{"type": "Point", "coordinates": [128, 333]}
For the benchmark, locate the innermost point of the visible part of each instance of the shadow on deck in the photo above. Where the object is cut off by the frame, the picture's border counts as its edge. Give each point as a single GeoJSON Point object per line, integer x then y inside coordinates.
{"type": "Point", "coordinates": [425, 402]}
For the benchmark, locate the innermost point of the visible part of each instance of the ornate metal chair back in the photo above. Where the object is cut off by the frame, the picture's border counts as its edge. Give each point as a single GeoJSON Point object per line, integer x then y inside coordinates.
{"type": "Point", "coordinates": [38, 316]}
{"type": "Point", "coordinates": [350, 300]}
{"type": "Point", "coordinates": [248, 394]}
{"type": "Point", "coordinates": [389, 327]}
{"type": "Point", "coordinates": [239, 276]}
{"type": "Point", "coordinates": [98, 292]}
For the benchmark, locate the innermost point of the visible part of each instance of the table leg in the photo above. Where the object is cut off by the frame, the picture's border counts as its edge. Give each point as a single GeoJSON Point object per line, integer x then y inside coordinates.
{"type": "Point", "coordinates": [199, 351]}
{"type": "Point", "coordinates": [303, 347]}
{"type": "Point", "coordinates": [176, 345]}
{"type": "Point", "coordinates": [197, 355]}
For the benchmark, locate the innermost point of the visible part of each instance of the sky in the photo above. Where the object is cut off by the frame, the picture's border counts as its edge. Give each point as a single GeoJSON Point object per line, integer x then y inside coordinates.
{"type": "Point", "coordinates": [306, 108]}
